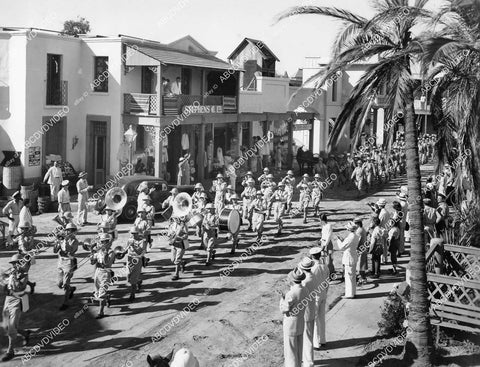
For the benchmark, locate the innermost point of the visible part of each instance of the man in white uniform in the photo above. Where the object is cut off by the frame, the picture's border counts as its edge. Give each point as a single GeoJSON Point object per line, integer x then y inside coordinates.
{"type": "Point", "coordinates": [54, 178]}
{"type": "Point", "coordinates": [349, 260]}
{"type": "Point", "coordinates": [82, 189]}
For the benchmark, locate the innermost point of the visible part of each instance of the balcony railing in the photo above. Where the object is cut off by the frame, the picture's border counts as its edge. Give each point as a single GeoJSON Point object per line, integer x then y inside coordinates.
{"type": "Point", "coordinates": [147, 104]}
{"type": "Point", "coordinates": [57, 93]}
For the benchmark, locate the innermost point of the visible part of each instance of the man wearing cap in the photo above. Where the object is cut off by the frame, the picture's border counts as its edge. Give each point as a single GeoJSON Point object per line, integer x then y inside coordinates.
{"type": "Point", "coordinates": [64, 198]}
{"type": "Point", "coordinates": [321, 276]}
{"type": "Point", "coordinates": [264, 176]}
{"type": "Point", "coordinates": [103, 260]}
{"type": "Point", "coordinates": [54, 178]}
{"type": "Point", "coordinates": [16, 301]}
{"type": "Point", "coordinates": [198, 190]}
{"type": "Point", "coordinates": [293, 319]}
{"type": "Point", "coordinates": [66, 249]}
{"type": "Point", "coordinates": [326, 243]}
{"type": "Point", "coordinates": [349, 247]}
{"type": "Point", "coordinates": [219, 187]}
{"type": "Point", "coordinates": [210, 225]}
{"type": "Point", "coordinates": [82, 189]}
{"type": "Point", "coordinates": [305, 196]}
{"type": "Point", "coordinates": [12, 212]}
{"type": "Point", "coordinates": [178, 239]}
{"type": "Point", "coordinates": [268, 187]}
{"type": "Point", "coordinates": [247, 177]}
{"type": "Point", "coordinates": [199, 208]}
{"type": "Point", "coordinates": [362, 249]}
{"type": "Point", "coordinates": [258, 216]}
{"type": "Point", "coordinates": [229, 193]}
{"type": "Point", "coordinates": [317, 193]}
{"type": "Point", "coordinates": [109, 218]}
{"type": "Point", "coordinates": [370, 172]}
{"type": "Point", "coordinates": [358, 175]}
{"type": "Point", "coordinates": [384, 216]}
{"type": "Point", "coordinates": [25, 245]}
{"type": "Point", "coordinates": [279, 200]}
{"type": "Point", "coordinates": [248, 195]}
{"type": "Point", "coordinates": [168, 202]}
{"type": "Point", "coordinates": [234, 204]}
{"type": "Point", "coordinates": [310, 284]}
{"type": "Point", "coordinates": [136, 249]}
{"type": "Point", "coordinates": [289, 182]}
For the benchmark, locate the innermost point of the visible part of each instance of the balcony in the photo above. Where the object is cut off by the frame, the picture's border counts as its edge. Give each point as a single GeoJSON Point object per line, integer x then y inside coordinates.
{"type": "Point", "coordinates": [57, 93]}
{"type": "Point", "coordinates": [147, 104]}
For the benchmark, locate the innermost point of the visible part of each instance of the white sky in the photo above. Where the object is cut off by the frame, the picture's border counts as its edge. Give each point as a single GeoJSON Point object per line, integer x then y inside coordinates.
{"type": "Point", "coordinates": [219, 25]}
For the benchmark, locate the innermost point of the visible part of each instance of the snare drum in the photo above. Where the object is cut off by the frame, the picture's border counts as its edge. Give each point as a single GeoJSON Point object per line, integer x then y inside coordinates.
{"type": "Point", "coordinates": [196, 220]}
{"type": "Point", "coordinates": [229, 220]}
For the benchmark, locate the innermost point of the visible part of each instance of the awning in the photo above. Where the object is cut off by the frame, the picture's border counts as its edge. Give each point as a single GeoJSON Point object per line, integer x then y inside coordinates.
{"type": "Point", "coordinates": [166, 55]}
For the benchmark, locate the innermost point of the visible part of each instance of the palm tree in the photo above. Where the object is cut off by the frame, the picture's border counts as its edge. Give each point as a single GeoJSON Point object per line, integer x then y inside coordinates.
{"type": "Point", "coordinates": [453, 59]}
{"type": "Point", "coordinates": [387, 39]}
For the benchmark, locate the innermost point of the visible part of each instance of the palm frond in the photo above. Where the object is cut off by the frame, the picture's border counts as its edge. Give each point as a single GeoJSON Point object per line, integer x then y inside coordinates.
{"type": "Point", "coordinates": [333, 12]}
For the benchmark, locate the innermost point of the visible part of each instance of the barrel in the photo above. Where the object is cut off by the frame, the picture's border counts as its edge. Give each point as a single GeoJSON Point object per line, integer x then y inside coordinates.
{"type": "Point", "coordinates": [12, 177]}
{"type": "Point", "coordinates": [43, 204]}
{"type": "Point", "coordinates": [3, 201]}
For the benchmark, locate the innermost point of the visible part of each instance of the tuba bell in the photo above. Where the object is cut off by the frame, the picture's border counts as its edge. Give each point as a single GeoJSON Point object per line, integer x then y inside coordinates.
{"type": "Point", "coordinates": [182, 205]}
{"type": "Point", "coordinates": [116, 198]}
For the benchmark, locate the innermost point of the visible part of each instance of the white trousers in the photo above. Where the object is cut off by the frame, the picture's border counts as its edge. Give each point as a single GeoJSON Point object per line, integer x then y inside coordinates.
{"type": "Point", "coordinates": [350, 281]}
{"type": "Point", "coordinates": [292, 350]}
{"type": "Point", "coordinates": [319, 329]}
{"type": "Point", "coordinates": [308, 343]}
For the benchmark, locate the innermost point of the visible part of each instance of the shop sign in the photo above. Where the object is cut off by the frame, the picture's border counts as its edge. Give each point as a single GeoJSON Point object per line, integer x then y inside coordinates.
{"type": "Point", "coordinates": [191, 109]}
{"type": "Point", "coordinates": [302, 127]}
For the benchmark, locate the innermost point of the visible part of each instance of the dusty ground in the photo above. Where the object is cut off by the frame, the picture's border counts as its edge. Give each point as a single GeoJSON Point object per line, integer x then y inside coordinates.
{"type": "Point", "coordinates": [236, 315]}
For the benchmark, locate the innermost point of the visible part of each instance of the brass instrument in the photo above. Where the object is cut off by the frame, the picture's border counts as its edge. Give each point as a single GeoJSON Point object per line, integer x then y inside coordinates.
{"type": "Point", "coordinates": [182, 205]}
{"type": "Point", "coordinates": [120, 252]}
{"type": "Point", "coordinates": [115, 199]}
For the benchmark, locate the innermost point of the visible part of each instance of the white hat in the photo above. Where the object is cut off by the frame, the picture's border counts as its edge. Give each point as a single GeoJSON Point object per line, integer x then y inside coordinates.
{"type": "Point", "coordinates": [65, 183]}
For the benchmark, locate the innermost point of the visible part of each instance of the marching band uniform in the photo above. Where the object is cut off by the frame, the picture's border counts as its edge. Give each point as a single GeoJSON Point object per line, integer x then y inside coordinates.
{"type": "Point", "coordinates": [358, 175]}
{"type": "Point", "coordinates": [142, 194]}
{"type": "Point", "coordinates": [64, 198]}
{"type": "Point", "coordinates": [289, 182]}
{"type": "Point", "coordinates": [317, 194]}
{"type": "Point", "coordinates": [279, 199]}
{"type": "Point", "coordinates": [293, 320]}
{"type": "Point", "coordinates": [349, 260]}
{"type": "Point", "coordinates": [304, 198]}
{"type": "Point", "coordinates": [248, 176]}
{"type": "Point", "coordinates": [198, 206]}
{"type": "Point", "coordinates": [12, 212]}
{"type": "Point", "coordinates": [264, 176]}
{"type": "Point", "coordinates": [228, 194]}
{"type": "Point", "coordinates": [109, 219]}
{"type": "Point", "coordinates": [168, 202]}
{"type": "Point", "coordinates": [178, 234]}
{"type": "Point", "coordinates": [197, 195]}
{"type": "Point", "coordinates": [136, 248]}
{"type": "Point", "coordinates": [258, 217]}
{"type": "Point", "coordinates": [321, 275]}
{"type": "Point", "coordinates": [210, 224]}
{"type": "Point", "coordinates": [103, 260]}
{"type": "Point", "coordinates": [234, 236]}
{"type": "Point", "coordinates": [268, 186]}
{"type": "Point", "coordinates": [25, 244]}
{"type": "Point", "coordinates": [248, 195]}
{"type": "Point", "coordinates": [219, 187]}
{"type": "Point", "coordinates": [143, 227]}
{"type": "Point", "coordinates": [66, 249]}
{"type": "Point", "coordinates": [16, 301]}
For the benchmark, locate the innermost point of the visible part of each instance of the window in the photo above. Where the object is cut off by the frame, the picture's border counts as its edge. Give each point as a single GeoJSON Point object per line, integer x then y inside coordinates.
{"type": "Point", "coordinates": [140, 140]}
{"type": "Point", "coordinates": [54, 80]}
{"type": "Point", "coordinates": [334, 90]}
{"type": "Point", "coordinates": [100, 82]}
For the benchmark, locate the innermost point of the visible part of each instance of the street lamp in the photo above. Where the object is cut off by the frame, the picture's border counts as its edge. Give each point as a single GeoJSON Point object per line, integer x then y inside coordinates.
{"type": "Point", "coordinates": [130, 136]}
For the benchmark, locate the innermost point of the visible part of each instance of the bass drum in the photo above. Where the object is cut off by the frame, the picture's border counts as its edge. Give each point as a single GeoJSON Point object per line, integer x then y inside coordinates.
{"type": "Point", "coordinates": [229, 220]}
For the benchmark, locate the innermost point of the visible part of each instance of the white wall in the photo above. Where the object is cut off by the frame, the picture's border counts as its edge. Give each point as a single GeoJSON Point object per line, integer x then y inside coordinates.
{"type": "Point", "coordinates": [12, 97]}
{"type": "Point", "coordinates": [272, 95]}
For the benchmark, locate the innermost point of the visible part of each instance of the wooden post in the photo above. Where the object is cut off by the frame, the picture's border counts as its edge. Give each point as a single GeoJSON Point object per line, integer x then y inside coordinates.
{"type": "Point", "coordinates": [310, 135]}
{"type": "Point", "coordinates": [290, 143]}
{"type": "Point", "coordinates": [158, 141]}
{"type": "Point", "coordinates": [250, 143]}
{"type": "Point", "coordinates": [201, 152]}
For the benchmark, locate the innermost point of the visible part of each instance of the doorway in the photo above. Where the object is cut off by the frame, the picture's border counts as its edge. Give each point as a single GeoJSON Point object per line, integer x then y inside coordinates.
{"type": "Point", "coordinates": [97, 149]}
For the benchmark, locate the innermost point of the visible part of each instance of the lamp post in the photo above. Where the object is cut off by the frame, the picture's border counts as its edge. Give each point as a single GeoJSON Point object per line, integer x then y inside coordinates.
{"type": "Point", "coordinates": [130, 136]}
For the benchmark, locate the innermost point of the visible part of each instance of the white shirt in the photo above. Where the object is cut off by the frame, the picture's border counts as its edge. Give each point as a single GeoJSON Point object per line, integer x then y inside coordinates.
{"type": "Point", "coordinates": [177, 88]}
{"type": "Point", "coordinates": [349, 246]}
{"type": "Point", "coordinates": [327, 232]}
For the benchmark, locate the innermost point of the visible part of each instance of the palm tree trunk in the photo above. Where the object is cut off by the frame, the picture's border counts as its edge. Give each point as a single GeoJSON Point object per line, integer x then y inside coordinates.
{"type": "Point", "coordinates": [419, 346]}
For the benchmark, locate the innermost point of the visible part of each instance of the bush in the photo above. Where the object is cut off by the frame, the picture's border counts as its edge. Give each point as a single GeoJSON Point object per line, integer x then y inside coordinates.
{"type": "Point", "coordinates": [392, 317]}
